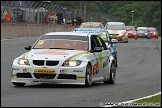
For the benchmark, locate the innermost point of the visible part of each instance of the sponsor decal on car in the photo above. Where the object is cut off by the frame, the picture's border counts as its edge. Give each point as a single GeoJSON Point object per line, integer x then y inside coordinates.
{"type": "Point", "coordinates": [95, 68]}
{"type": "Point", "coordinates": [64, 71]}
{"type": "Point", "coordinates": [51, 53]}
{"type": "Point", "coordinates": [25, 70]}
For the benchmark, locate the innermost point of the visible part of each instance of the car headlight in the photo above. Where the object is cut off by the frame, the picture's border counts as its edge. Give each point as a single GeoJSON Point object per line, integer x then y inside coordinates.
{"type": "Point", "coordinates": [72, 63]}
{"type": "Point", "coordinates": [23, 62]}
{"type": "Point", "coordinates": [145, 33]}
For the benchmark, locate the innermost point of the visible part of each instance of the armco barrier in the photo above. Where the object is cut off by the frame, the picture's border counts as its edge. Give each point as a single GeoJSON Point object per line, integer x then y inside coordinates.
{"type": "Point", "coordinates": [28, 30]}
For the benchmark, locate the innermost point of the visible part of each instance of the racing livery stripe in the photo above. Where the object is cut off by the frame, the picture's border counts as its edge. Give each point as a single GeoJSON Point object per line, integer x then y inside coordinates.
{"type": "Point", "coordinates": [68, 59]}
{"type": "Point", "coordinates": [23, 56]}
{"type": "Point", "coordinates": [74, 58]}
{"type": "Point", "coordinates": [81, 77]}
{"type": "Point", "coordinates": [13, 74]}
{"type": "Point", "coordinates": [26, 56]}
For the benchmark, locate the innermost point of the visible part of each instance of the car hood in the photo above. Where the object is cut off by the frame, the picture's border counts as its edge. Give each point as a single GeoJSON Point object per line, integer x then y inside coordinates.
{"type": "Point", "coordinates": [52, 54]}
{"type": "Point", "coordinates": [116, 31]}
{"type": "Point", "coordinates": [131, 31]}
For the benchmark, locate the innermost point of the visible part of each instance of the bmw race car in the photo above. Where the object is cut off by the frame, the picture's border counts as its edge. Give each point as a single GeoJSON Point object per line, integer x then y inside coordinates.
{"type": "Point", "coordinates": [132, 33]}
{"type": "Point", "coordinates": [117, 30]}
{"type": "Point", "coordinates": [143, 32]}
{"type": "Point", "coordinates": [65, 58]}
{"type": "Point", "coordinates": [104, 34]}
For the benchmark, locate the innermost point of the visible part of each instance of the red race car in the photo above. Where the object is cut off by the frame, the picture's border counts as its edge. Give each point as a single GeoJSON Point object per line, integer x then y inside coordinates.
{"type": "Point", "coordinates": [153, 31]}
{"type": "Point", "coordinates": [131, 32]}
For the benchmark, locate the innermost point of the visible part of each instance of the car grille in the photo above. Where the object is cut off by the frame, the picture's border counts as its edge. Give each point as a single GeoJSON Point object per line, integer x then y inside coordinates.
{"type": "Point", "coordinates": [66, 76]}
{"type": "Point", "coordinates": [114, 34]}
{"type": "Point", "coordinates": [38, 62]}
{"type": "Point", "coordinates": [48, 63]}
{"type": "Point", "coordinates": [44, 76]}
{"type": "Point", "coordinates": [52, 63]}
{"type": "Point", "coordinates": [24, 75]}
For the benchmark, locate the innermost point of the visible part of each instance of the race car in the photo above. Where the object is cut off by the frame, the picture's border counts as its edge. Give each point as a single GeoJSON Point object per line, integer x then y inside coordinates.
{"type": "Point", "coordinates": [143, 32]}
{"type": "Point", "coordinates": [104, 34]}
{"type": "Point", "coordinates": [153, 31]}
{"type": "Point", "coordinates": [132, 33]}
{"type": "Point", "coordinates": [117, 30]}
{"type": "Point", "coordinates": [65, 58]}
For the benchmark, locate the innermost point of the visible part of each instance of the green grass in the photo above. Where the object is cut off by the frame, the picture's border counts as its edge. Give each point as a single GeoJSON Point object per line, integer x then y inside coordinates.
{"type": "Point", "coordinates": [154, 101]}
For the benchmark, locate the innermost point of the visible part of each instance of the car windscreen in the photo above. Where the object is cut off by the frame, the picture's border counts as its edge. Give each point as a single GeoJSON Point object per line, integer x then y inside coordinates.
{"type": "Point", "coordinates": [115, 27]}
{"type": "Point", "coordinates": [91, 25]}
{"type": "Point", "coordinates": [101, 33]}
{"type": "Point", "coordinates": [62, 42]}
{"type": "Point", "coordinates": [130, 28]}
{"type": "Point", "coordinates": [152, 29]}
{"type": "Point", "coordinates": [142, 29]}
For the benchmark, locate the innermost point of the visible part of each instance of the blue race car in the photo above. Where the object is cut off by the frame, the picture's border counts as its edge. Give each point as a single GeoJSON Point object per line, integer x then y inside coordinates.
{"type": "Point", "coordinates": [143, 32]}
{"type": "Point", "coordinates": [104, 34]}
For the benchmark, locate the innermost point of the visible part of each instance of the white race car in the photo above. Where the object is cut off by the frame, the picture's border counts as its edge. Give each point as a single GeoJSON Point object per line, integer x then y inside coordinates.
{"type": "Point", "coordinates": [65, 58]}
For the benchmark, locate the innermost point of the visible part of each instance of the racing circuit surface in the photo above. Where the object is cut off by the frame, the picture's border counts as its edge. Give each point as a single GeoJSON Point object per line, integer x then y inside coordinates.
{"type": "Point", "coordinates": [138, 75]}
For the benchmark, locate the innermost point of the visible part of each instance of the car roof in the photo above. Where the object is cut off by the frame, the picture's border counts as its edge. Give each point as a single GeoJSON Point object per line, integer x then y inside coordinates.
{"type": "Point", "coordinates": [68, 34]}
{"type": "Point", "coordinates": [91, 22]}
{"type": "Point", "coordinates": [129, 26]}
{"type": "Point", "coordinates": [142, 27]}
{"type": "Point", "coordinates": [151, 28]}
{"type": "Point", "coordinates": [115, 23]}
{"type": "Point", "coordinates": [89, 29]}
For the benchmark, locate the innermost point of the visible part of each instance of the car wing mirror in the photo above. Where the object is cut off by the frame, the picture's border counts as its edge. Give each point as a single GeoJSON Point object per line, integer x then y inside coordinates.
{"type": "Point", "coordinates": [27, 47]}
{"type": "Point", "coordinates": [97, 49]}
{"type": "Point", "coordinates": [114, 41]}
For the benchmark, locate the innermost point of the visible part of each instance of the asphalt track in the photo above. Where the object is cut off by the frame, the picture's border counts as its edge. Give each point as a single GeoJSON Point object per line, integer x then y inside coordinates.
{"type": "Point", "coordinates": [138, 75]}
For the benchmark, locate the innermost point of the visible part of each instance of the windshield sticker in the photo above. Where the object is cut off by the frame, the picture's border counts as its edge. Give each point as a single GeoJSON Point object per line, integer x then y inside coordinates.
{"type": "Point", "coordinates": [41, 42]}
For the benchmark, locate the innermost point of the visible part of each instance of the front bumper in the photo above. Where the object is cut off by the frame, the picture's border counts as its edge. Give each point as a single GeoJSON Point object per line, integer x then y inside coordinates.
{"type": "Point", "coordinates": [62, 75]}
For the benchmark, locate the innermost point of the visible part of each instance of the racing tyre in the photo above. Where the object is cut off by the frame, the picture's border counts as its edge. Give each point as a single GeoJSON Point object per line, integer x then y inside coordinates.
{"type": "Point", "coordinates": [18, 84]}
{"type": "Point", "coordinates": [112, 75]}
{"type": "Point", "coordinates": [88, 76]}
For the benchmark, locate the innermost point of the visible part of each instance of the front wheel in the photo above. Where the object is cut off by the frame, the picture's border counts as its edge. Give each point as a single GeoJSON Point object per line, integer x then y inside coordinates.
{"type": "Point", "coordinates": [112, 75]}
{"type": "Point", "coordinates": [88, 76]}
{"type": "Point", "coordinates": [18, 84]}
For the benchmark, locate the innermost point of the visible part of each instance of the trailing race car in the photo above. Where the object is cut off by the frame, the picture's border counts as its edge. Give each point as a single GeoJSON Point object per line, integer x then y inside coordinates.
{"type": "Point", "coordinates": [104, 34]}
{"type": "Point", "coordinates": [132, 33]}
{"type": "Point", "coordinates": [117, 30]}
{"type": "Point", "coordinates": [143, 32]}
{"type": "Point", "coordinates": [153, 31]}
{"type": "Point", "coordinates": [65, 58]}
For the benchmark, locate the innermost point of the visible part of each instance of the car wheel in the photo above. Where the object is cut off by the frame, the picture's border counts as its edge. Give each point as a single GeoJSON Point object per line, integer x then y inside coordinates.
{"type": "Point", "coordinates": [112, 75]}
{"type": "Point", "coordinates": [116, 64]}
{"type": "Point", "coordinates": [18, 84]}
{"type": "Point", "coordinates": [88, 76]}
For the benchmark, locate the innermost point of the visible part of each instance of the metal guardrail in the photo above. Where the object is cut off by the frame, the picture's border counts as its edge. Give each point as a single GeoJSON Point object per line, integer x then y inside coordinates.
{"type": "Point", "coordinates": [38, 13]}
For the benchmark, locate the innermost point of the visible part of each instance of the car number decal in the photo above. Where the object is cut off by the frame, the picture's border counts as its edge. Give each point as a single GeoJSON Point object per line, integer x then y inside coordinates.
{"type": "Point", "coordinates": [41, 42]}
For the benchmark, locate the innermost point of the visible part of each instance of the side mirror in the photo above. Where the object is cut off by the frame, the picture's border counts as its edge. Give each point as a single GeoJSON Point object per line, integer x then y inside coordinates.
{"type": "Point", "coordinates": [114, 41]}
{"type": "Point", "coordinates": [27, 47]}
{"type": "Point", "coordinates": [97, 49]}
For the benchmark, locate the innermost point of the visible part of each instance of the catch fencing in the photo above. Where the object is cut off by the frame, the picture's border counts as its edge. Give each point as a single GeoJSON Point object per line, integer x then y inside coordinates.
{"type": "Point", "coordinates": [31, 12]}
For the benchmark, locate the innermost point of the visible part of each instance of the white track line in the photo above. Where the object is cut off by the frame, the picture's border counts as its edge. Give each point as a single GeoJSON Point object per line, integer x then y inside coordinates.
{"type": "Point", "coordinates": [130, 101]}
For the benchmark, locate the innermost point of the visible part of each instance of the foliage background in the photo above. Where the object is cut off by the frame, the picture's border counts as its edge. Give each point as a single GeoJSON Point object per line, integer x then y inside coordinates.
{"type": "Point", "coordinates": [146, 13]}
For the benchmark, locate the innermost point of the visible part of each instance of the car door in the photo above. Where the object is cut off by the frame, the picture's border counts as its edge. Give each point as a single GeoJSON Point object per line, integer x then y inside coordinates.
{"type": "Point", "coordinates": [105, 56]}
{"type": "Point", "coordinates": [98, 66]}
